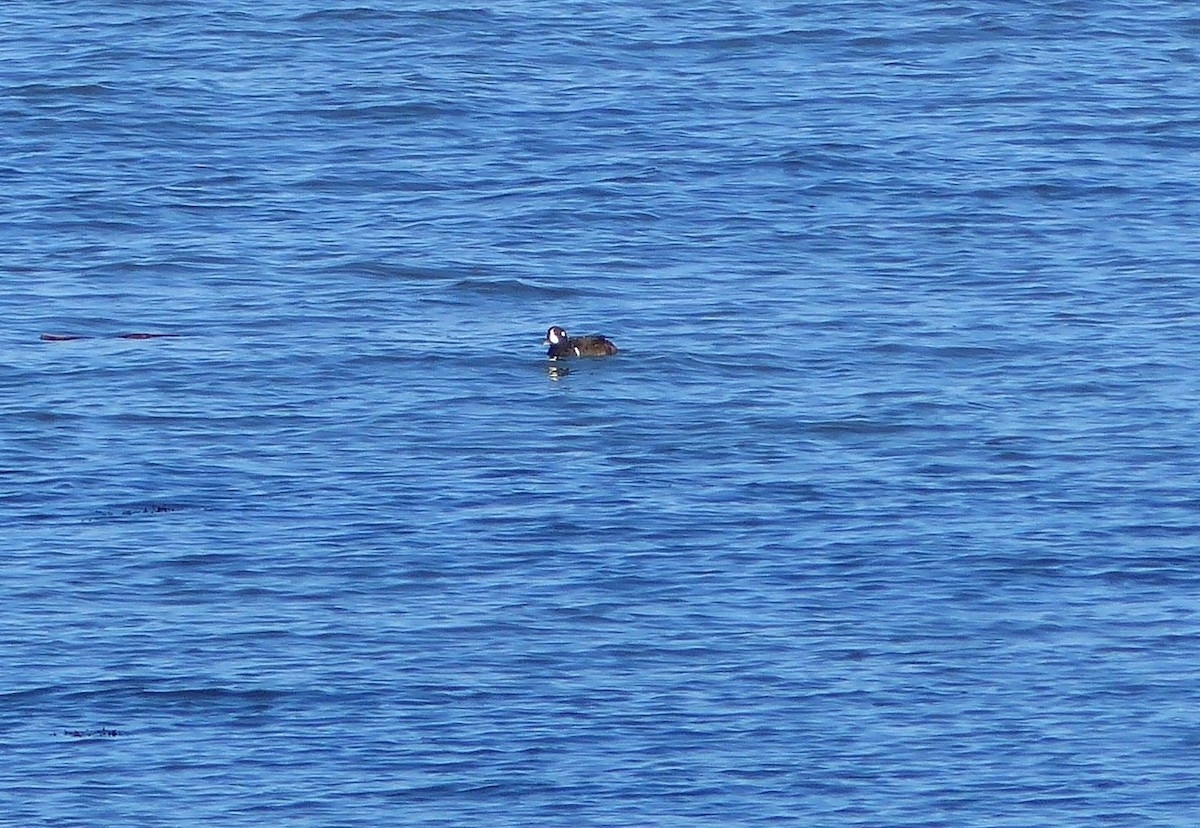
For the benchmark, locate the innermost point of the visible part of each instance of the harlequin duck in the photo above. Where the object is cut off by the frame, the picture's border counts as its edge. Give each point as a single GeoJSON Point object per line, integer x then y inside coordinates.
{"type": "Point", "coordinates": [562, 345]}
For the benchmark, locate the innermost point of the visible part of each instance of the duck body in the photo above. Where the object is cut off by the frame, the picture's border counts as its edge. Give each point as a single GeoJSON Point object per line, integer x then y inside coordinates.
{"type": "Point", "coordinates": [563, 346]}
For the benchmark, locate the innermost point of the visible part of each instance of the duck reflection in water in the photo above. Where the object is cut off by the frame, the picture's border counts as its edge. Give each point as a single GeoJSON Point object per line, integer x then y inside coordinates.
{"type": "Point", "coordinates": [557, 370]}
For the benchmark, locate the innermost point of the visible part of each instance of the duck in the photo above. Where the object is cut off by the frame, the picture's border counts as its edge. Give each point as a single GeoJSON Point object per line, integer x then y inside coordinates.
{"type": "Point", "coordinates": [562, 345]}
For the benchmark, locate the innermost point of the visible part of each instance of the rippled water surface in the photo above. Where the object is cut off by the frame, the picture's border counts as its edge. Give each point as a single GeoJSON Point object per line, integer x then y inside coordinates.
{"type": "Point", "coordinates": [887, 513]}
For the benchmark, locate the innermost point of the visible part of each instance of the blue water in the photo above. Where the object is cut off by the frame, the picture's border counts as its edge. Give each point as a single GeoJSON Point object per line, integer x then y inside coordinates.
{"type": "Point", "coordinates": [887, 513]}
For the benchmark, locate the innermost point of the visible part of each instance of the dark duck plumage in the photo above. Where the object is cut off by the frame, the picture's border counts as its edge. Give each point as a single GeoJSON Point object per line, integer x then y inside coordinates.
{"type": "Point", "coordinates": [562, 345]}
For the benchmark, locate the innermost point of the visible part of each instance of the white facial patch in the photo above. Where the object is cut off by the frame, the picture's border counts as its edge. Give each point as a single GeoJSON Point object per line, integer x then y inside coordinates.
{"type": "Point", "coordinates": [553, 336]}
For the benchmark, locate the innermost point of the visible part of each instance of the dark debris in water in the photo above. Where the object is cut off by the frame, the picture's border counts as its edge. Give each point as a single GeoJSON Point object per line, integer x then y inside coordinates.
{"type": "Point", "coordinates": [101, 733]}
{"type": "Point", "coordinates": [53, 337]}
{"type": "Point", "coordinates": [136, 510]}
{"type": "Point", "coordinates": [153, 509]}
